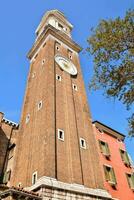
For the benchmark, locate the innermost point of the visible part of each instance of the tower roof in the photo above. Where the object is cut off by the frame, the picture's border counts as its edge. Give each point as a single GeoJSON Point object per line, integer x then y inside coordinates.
{"type": "Point", "coordinates": [57, 14]}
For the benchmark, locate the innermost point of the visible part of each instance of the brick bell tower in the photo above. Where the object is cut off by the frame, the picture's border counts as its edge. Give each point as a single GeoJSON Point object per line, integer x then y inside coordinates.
{"type": "Point", "coordinates": [56, 148]}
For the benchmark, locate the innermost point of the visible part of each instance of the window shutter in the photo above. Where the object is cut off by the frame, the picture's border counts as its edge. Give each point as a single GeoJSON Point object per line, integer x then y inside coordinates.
{"type": "Point", "coordinates": [106, 173]}
{"type": "Point", "coordinates": [128, 180]}
{"type": "Point", "coordinates": [6, 176]}
{"type": "Point", "coordinates": [107, 149]}
{"type": "Point", "coordinates": [113, 176]}
{"type": "Point", "coordinates": [121, 153]}
{"type": "Point", "coordinates": [132, 177]}
{"type": "Point", "coordinates": [100, 146]}
{"type": "Point", "coordinates": [126, 158]}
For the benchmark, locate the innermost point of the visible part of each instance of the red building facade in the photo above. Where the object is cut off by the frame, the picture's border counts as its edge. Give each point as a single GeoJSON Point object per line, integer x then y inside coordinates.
{"type": "Point", "coordinates": [116, 164]}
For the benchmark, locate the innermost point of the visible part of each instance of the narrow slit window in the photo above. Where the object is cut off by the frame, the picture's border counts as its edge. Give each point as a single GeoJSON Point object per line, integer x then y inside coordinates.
{"type": "Point", "coordinates": [34, 178]}
{"type": "Point", "coordinates": [39, 105]}
{"type": "Point", "coordinates": [58, 77]}
{"type": "Point", "coordinates": [60, 134]}
{"type": "Point", "coordinates": [70, 54]}
{"type": "Point", "coordinates": [82, 143]}
{"type": "Point", "coordinates": [27, 118]}
{"type": "Point", "coordinates": [20, 185]}
{"type": "Point", "coordinates": [43, 61]}
{"type": "Point", "coordinates": [57, 46]}
{"type": "Point", "coordinates": [75, 87]}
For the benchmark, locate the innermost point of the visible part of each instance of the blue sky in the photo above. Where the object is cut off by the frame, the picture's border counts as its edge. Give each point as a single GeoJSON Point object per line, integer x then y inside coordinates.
{"type": "Point", "coordinates": [18, 21]}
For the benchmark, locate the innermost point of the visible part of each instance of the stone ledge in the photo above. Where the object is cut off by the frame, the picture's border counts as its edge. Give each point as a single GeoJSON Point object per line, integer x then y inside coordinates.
{"type": "Point", "coordinates": [74, 188]}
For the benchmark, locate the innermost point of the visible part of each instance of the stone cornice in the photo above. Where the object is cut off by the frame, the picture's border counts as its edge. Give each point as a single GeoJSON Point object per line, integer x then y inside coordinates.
{"type": "Point", "coordinates": [74, 188]}
{"type": "Point", "coordinates": [52, 31]}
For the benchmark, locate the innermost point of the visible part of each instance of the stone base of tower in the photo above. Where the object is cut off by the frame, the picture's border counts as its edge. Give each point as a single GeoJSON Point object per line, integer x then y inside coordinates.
{"type": "Point", "coordinates": [49, 188]}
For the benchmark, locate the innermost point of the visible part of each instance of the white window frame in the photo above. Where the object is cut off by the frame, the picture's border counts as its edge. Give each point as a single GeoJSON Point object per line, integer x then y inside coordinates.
{"type": "Point", "coordinates": [60, 130]}
{"type": "Point", "coordinates": [58, 77]}
{"type": "Point", "coordinates": [85, 146]}
{"type": "Point", "coordinates": [19, 184]}
{"type": "Point", "coordinates": [75, 87]}
{"type": "Point", "coordinates": [43, 61]}
{"type": "Point", "coordinates": [40, 105]}
{"type": "Point", "coordinates": [34, 175]}
{"type": "Point", "coordinates": [27, 118]}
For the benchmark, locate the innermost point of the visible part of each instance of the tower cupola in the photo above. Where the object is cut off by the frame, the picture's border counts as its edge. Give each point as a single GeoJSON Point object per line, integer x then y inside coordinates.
{"type": "Point", "coordinates": [55, 19]}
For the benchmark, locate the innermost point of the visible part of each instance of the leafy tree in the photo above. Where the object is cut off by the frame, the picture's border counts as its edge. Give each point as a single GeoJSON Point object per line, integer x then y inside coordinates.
{"type": "Point", "coordinates": [112, 46]}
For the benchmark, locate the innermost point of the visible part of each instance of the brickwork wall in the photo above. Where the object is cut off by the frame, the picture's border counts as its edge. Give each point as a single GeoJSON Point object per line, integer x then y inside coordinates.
{"type": "Point", "coordinates": [5, 133]}
{"type": "Point", "coordinates": [63, 108]}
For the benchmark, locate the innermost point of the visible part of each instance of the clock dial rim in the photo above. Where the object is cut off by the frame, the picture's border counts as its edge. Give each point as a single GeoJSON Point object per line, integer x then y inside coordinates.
{"type": "Point", "coordinates": [71, 67]}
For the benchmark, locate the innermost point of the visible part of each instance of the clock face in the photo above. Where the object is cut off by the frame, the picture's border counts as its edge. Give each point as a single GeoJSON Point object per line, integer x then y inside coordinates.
{"type": "Point", "coordinates": [66, 65]}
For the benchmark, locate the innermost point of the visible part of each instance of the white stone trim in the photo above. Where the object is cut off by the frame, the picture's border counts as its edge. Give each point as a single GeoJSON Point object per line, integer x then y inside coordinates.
{"type": "Point", "coordinates": [60, 130]}
{"type": "Point", "coordinates": [40, 103]}
{"type": "Point", "coordinates": [75, 87]}
{"type": "Point", "coordinates": [52, 37]}
{"type": "Point", "coordinates": [85, 146]}
{"type": "Point", "coordinates": [27, 118]}
{"type": "Point", "coordinates": [32, 59]}
{"type": "Point", "coordinates": [58, 77]}
{"type": "Point", "coordinates": [34, 174]}
{"type": "Point", "coordinates": [75, 188]}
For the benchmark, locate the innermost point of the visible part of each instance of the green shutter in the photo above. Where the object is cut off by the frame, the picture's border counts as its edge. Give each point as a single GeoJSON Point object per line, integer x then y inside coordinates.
{"type": "Point", "coordinates": [132, 178]}
{"type": "Point", "coordinates": [100, 144]}
{"type": "Point", "coordinates": [6, 177]}
{"type": "Point", "coordinates": [107, 149]}
{"type": "Point", "coordinates": [127, 175]}
{"type": "Point", "coordinates": [113, 176]}
{"type": "Point", "coordinates": [126, 158]}
{"type": "Point", "coordinates": [106, 173]}
{"type": "Point", "coordinates": [121, 153]}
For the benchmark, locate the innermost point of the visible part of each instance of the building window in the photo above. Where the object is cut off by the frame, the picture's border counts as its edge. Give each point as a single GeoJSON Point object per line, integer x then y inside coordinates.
{"type": "Point", "coordinates": [110, 175]}
{"type": "Point", "coordinates": [58, 77]}
{"type": "Point", "coordinates": [75, 87]}
{"type": "Point", "coordinates": [34, 178]}
{"type": "Point", "coordinates": [82, 143]}
{"type": "Point", "coordinates": [43, 61]}
{"type": "Point", "coordinates": [7, 176]}
{"type": "Point", "coordinates": [70, 54]}
{"type": "Point", "coordinates": [57, 46]}
{"type": "Point", "coordinates": [39, 105]}
{"type": "Point", "coordinates": [60, 134]}
{"type": "Point", "coordinates": [60, 26]}
{"type": "Point", "coordinates": [104, 148]}
{"type": "Point", "coordinates": [125, 157]}
{"type": "Point", "coordinates": [27, 118]}
{"type": "Point", "coordinates": [130, 179]}
{"type": "Point", "coordinates": [20, 185]}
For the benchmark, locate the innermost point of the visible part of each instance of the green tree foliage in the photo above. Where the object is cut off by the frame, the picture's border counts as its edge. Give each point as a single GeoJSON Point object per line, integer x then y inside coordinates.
{"type": "Point", "coordinates": [112, 46]}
